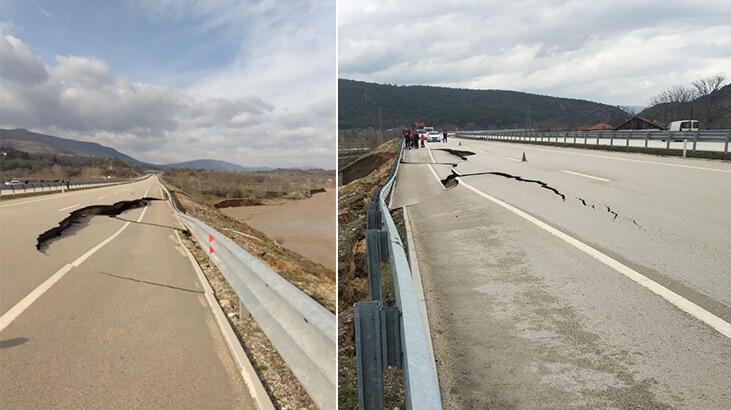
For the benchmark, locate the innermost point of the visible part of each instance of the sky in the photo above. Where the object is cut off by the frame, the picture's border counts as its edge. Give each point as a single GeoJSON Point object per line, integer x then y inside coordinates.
{"type": "Point", "coordinates": [615, 52]}
{"type": "Point", "coordinates": [246, 81]}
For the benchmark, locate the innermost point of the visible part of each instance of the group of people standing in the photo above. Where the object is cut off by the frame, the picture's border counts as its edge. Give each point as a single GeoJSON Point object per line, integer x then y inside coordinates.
{"type": "Point", "coordinates": [414, 140]}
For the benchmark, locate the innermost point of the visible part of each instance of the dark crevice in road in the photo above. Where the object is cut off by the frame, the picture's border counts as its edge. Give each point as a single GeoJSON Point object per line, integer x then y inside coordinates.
{"type": "Point", "coordinates": [79, 215]}
{"type": "Point", "coordinates": [450, 181]}
{"type": "Point", "coordinates": [147, 282]}
{"type": "Point", "coordinates": [609, 209]}
{"type": "Point", "coordinates": [456, 152]}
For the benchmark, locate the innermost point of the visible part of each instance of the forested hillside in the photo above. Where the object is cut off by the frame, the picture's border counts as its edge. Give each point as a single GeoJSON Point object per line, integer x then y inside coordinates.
{"type": "Point", "coordinates": [359, 104]}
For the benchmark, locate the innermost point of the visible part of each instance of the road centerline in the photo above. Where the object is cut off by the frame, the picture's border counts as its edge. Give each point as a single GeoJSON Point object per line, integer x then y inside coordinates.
{"type": "Point", "coordinates": [68, 207]}
{"type": "Point", "coordinates": [586, 175]}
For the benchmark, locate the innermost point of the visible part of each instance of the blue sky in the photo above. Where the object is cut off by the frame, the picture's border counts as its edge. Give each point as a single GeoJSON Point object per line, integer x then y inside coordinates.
{"type": "Point", "coordinates": [251, 82]}
{"type": "Point", "coordinates": [145, 46]}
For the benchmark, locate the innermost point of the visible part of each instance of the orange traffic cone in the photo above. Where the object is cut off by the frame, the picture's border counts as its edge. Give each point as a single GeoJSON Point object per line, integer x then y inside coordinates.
{"type": "Point", "coordinates": [524, 159]}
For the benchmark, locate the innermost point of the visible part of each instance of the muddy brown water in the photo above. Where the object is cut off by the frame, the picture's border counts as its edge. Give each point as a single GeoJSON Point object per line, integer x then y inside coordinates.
{"type": "Point", "coordinates": [305, 226]}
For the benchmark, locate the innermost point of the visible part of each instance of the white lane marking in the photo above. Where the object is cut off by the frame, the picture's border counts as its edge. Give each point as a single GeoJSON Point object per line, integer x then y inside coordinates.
{"type": "Point", "coordinates": [514, 159]}
{"type": "Point", "coordinates": [432, 168]}
{"type": "Point", "coordinates": [102, 197]}
{"type": "Point", "coordinates": [68, 207]}
{"type": "Point", "coordinates": [682, 303]}
{"type": "Point", "coordinates": [19, 307]}
{"type": "Point", "coordinates": [667, 164]}
{"type": "Point", "coordinates": [586, 175]}
{"type": "Point", "coordinates": [12, 314]}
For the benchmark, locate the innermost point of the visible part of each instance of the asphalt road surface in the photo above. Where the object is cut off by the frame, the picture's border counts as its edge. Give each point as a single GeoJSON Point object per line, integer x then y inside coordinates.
{"type": "Point", "coordinates": [110, 315]}
{"type": "Point", "coordinates": [617, 295]}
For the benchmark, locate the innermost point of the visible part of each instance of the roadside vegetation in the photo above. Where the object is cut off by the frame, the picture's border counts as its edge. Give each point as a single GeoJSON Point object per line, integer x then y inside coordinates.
{"type": "Point", "coordinates": [19, 164]}
{"type": "Point", "coordinates": [252, 188]}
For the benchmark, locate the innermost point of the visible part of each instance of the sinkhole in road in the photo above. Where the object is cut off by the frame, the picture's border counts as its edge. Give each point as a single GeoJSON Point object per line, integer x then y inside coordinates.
{"type": "Point", "coordinates": [81, 215]}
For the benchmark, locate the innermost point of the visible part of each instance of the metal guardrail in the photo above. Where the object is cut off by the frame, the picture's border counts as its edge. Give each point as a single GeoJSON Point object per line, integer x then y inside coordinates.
{"type": "Point", "coordinates": [57, 186]}
{"type": "Point", "coordinates": [303, 331]}
{"type": "Point", "coordinates": [615, 137]}
{"type": "Point", "coordinates": [392, 336]}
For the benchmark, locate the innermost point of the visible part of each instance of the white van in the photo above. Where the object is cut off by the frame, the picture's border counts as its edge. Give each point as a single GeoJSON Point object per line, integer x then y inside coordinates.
{"type": "Point", "coordinates": [683, 125]}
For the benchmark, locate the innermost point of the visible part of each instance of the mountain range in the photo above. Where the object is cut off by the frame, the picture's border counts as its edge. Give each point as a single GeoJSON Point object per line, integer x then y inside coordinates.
{"type": "Point", "coordinates": [48, 145]}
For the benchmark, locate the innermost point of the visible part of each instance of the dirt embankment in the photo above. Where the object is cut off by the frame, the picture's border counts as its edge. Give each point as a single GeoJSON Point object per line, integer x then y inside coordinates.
{"type": "Point", "coordinates": [306, 226]}
{"type": "Point", "coordinates": [371, 171]}
{"type": "Point", "coordinates": [312, 278]}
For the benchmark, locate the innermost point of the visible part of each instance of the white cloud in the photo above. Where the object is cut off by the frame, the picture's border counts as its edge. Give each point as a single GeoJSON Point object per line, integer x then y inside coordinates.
{"type": "Point", "coordinates": [618, 52]}
{"type": "Point", "coordinates": [273, 106]}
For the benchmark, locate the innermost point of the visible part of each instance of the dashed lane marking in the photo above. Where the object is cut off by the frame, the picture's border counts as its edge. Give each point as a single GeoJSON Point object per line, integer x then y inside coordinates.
{"type": "Point", "coordinates": [586, 175]}
{"type": "Point", "coordinates": [68, 207]}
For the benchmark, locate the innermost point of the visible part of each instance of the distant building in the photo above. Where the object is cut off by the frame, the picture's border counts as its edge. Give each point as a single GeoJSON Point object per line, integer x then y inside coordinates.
{"type": "Point", "coordinates": [639, 123]}
{"type": "Point", "coordinates": [600, 126]}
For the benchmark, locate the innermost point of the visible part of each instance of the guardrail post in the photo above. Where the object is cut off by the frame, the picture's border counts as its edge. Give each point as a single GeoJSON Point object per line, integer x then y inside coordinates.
{"type": "Point", "coordinates": [373, 261]}
{"type": "Point", "coordinates": [725, 145]}
{"type": "Point", "coordinates": [647, 137]}
{"type": "Point", "coordinates": [667, 140]}
{"type": "Point", "coordinates": [611, 138]}
{"type": "Point", "coordinates": [695, 140]}
{"type": "Point", "coordinates": [374, 215]}
{"type": "Point", "coordinates": [369, 358]}
{"type": "Point", "coordinates": [391, 337]}
{"type": "Point", "coordinates": [628, 132]}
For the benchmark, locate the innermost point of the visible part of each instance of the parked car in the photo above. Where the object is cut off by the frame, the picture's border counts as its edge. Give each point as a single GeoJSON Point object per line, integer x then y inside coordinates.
{"type": "Point", "coordinates": [433, 136]}
{"type": "Point", "coordinates": [13, 183]}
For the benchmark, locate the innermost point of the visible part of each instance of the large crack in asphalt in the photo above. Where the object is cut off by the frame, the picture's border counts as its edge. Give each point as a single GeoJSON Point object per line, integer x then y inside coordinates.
{"type": "Point", "coordinates": [456, 152]}
{"type": "Point", "coordinates": [79, 215]}
{"type": "Point", "coordinates": [451, 181]}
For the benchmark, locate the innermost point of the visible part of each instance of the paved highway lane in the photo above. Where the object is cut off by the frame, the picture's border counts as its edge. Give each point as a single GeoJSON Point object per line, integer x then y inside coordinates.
{"type": "Point", "coordinates": [125, 324]}
{"type": "Point", "coordinates": [521, 317]}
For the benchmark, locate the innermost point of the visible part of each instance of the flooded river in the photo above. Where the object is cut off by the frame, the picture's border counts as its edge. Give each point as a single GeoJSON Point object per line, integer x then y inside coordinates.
{"type": "Point", "coordinates": [307, 226]}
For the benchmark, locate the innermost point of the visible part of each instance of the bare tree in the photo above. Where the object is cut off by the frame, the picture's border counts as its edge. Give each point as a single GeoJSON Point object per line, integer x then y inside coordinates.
{"type": "Point", "coordinates": [702, 99]}
{"type": "Point", "coordinates": [674, 94]}
{"type": "Point", "coordinates": [709, 85]}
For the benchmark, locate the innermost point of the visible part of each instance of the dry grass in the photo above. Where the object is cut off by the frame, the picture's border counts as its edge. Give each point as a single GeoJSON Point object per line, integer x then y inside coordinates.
{"type": "Point", "coordinates": [270, 187]}
{"type": "Point", "coordinates": [352, 279]}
